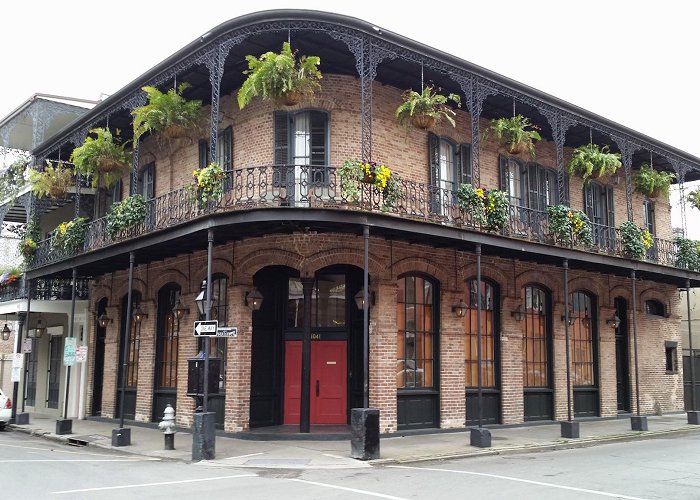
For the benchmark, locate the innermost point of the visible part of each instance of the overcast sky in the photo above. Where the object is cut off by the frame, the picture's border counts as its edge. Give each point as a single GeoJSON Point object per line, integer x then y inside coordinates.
{"type": "Point", "coordinates": [633, 62]}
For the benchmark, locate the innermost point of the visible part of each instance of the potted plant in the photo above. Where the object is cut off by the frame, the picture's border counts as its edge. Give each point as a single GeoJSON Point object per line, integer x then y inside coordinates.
{"type": "Point", "coordinates": [27, 247]}
{"type": "Point", "coordinates": [517, 134]}
{"type": "Point", "coordinates": [354, 173]}
{"type": "Point", "coordinates": [208, 183]}
{"type": "Point", "coordinates": [687, 255]}
{"type": "Point", "coordinates": [12, 180]}
{"type": "Point", "coordinates": [53, 181]}
{"type": "Point", "coordinates": [652, 183]}
{"type": "Point", "coordinates": [167, 112]}
{"type": "Point", "coordinates": [426, 109]}
{"type": "Point", "coordinates": [592, 161]}
{"type": "Point", "coordinates": [104, 157]}
{"type": "Point", "coordinates": [569, 226]}
{"type": "Point", "coordinates": [126, 214]}
{"type": "Point", "coordinates": [9, 276]}
{"type": "Point", "coordinates": [635, 241]}
{"type": "Point", "coordinates": [488, 207]}
{"type": "Point", "coordinates": [280, 77]}
{"type": "Point", "coordinates": [70, 236]}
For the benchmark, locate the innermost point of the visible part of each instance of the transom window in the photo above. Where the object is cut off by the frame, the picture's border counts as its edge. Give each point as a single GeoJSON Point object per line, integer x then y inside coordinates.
{"type": "Point", "coordinates": [416, 333]}
{"type": "Point", "coordinates": [654, 307]}
{"type": "Point", "coordinates": [327, 302]}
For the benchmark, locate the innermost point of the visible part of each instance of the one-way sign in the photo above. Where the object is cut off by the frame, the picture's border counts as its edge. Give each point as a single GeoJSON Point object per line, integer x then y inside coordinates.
{"type": "Point", "coordinates": [206, 328]}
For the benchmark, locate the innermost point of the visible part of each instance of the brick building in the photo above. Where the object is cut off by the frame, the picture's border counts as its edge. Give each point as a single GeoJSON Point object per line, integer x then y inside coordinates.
{"type": "Point", "coordinates": [438, 281]}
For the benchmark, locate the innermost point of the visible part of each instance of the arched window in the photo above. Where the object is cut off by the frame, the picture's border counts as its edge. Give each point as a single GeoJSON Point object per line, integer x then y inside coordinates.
{"type": "Point", "coordinates": [582, 340]}
{"type": "Point", "coordinates": [416, 333]}
{"type": "Point", "coordinates": [654, 307]}
{"type": "Point", "coordinates": [488, 347]}
{"type": "Point", "coordinates": [167, 338]}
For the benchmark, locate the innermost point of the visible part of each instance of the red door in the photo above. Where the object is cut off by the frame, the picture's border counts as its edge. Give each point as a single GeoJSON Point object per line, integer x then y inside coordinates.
{"type": "Point", "coordinates": [328, 382]}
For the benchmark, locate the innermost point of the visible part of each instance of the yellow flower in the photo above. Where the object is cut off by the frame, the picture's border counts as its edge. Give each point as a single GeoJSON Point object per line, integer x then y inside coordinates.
{"type": "Point", "coordinates": [479, 192]}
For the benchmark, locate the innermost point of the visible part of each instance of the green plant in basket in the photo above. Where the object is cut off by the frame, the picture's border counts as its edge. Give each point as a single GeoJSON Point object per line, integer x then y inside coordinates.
{"type": "Point", "coordinates": [635, 241]}
{"type": "Point", "coordinates": [652, 183]}
{"type": "Point", "coordinates": [70, 236]}
{"type": "Point", "coordinates": [591, 161]}
{"type": "Point", "coordinates": [208, 183]}
{"type": "Point", "coordinates": [687, 254]}
{"type": "Point", "coordinates": [168, 112]}
{"type": "Point", "coordinates": [488, 207]}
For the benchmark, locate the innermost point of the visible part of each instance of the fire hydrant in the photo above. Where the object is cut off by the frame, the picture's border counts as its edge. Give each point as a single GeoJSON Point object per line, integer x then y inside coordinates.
{"type": "Point", "coordinates": [168, 426]}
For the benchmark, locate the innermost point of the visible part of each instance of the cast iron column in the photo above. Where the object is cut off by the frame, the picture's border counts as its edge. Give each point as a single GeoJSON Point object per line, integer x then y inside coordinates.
{"type": "Point", "coordinates": [639, 422]}
{"type": "Point", "coordinates": [693, 416]}
{"type": "Point", "coordinates": [24, 380]}
{"type": "Point", "coordinates": [365, 320]}
{"type": "Point", "coordinates": [65, 426]}
{"type": "Point", "coordinates": [21, 316]}
{"type": "Point", "coordinates": [569, 429]}
{"type": "Point", "coordinates": [479, 437]}
{"type": "Point", "coordinates": [305, 410]}
{"type": "Point", "coordinates": [207, 316]}
{"type": "Point", "coordinates": [122, 436]}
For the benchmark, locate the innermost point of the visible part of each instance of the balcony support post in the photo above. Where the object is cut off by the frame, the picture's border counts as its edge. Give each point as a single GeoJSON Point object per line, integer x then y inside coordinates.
{"type": "Point", "coordinates": [215, 64]}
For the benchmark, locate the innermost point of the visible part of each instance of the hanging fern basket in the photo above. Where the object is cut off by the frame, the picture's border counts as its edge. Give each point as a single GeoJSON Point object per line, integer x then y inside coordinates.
{"type": "Point", "coordinates": [175, 131]}
{"type": "Point", "coordinates": [518, 148]}
{"type": "Point", "coordinates": [57, 192]}
{"type": "Point", "coordinates": [292, 98]}
{"type": "Point", "coordinates": [423, 122]}
{"type": "Point", "coordinates": [108, 165]}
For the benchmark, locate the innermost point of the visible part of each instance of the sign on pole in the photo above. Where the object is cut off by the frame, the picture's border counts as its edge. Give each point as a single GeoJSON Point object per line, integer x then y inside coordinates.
{"type": "Point", "coordinates": [227, 331]}
{"type": "Point", "coordinates": [206, 328]}
{"type": "Point", "coordinates": [26, 346]}
{"type": "Point", "coordinates": [81, 354]}
{"type": "Point", "coordinates": [69, 351]}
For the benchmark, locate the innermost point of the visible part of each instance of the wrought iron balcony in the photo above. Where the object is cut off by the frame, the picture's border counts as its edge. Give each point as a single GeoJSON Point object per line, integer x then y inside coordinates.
{"type": "Point", "coordinates": [46, 289]}
{"type": "Point", "coordinates": [301, 187]}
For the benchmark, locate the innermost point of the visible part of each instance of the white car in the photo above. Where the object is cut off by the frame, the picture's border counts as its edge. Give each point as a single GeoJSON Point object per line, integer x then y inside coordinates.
{"type": "Point", "coordinates": [5, 410]}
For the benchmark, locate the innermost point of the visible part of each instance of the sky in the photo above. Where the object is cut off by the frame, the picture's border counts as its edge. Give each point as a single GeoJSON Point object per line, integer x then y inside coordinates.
{"type": "Point", "coordinates": [632, 62]}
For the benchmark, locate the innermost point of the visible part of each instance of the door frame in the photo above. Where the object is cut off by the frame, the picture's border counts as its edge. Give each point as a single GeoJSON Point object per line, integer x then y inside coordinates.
{"type": "Point", "coordinates": [622, 356]}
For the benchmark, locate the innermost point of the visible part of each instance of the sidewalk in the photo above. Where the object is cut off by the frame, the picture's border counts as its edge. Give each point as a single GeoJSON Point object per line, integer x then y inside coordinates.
{"type": "Point", "coordinates": [301, 454]}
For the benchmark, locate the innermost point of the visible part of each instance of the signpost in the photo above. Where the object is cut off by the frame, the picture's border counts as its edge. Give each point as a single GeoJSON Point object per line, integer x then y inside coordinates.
{"type": "Point", "coordinates": [206, 328]}
{"type": "Point", "coordinates": [227, 331]}
{"type": "Point", "coordinates": [69, 349]}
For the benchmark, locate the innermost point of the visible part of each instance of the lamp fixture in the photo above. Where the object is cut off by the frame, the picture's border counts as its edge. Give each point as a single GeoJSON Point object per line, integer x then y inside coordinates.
{"type": "Point", "coordinates": [6, 331]}
{"type": "Point", "coordinates": [40, 328]}
{"type": "Point", "coordinates": [360, 299]}
{"type": "Point", "coordinates": [518, 314]}
{"type": "Point", "coordinates": [572, 319]}
{"type": "Point", "coordinates": [460, 308]}
{"type": "Point", "coordinates": [104, 320]}
{"type": "Point", "coordinates": [613, 321]}
{"type": "Point", "coordinates": [138, 314]}
{"type": "Point", "coordinates": [254, 299]}
{"type": "Point", "coordinates": [179, 310]}
{"type": "Point", "coordinates": [200, 300]}
{"type": "Point", "coordinates": [586, 321]}
{"type": "Point", "coordinates": [616, 179]}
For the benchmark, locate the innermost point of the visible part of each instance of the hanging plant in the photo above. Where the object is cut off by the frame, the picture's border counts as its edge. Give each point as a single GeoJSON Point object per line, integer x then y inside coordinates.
{"type": "Point", "coordinates": [517, 134]}
{"type": "Point", "coordinates": [354, 173]}
{"type": "Point", "coordinates": [569, 226]}
{"type": "Point", "coordinates": [694, 198]}
{"type": "Point", "coordinates": [52, 181]}
{"type": "Point", "coordinates": [488, 207]}
{"type": "Point", "coordinates": [169, 113]}
{"type": "Point", "coordinates": [652, 183]}
{"type": "Point", "coordinates": [426, 109]}
{"type": "Point", "coordinates": [591, 161]}
{"type": "Point", "coordinates": [104, 157]}
{"type": "Point", "coordinates": [687, 255]}
{"type": "Point", "coordinates": [70, 236]}
{"type": "Point", "coordinates": [208, 184]}
{"type": "Point", "coordinates": [280, 77]}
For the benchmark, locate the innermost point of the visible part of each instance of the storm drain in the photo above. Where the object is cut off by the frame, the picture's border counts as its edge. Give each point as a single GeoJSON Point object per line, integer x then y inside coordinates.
{"type": "Point", "coordinates": [84, 440]}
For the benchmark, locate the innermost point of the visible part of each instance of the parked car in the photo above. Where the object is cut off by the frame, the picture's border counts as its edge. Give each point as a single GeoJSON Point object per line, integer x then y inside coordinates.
{"type": "Point", "coordinates": [5, 410]}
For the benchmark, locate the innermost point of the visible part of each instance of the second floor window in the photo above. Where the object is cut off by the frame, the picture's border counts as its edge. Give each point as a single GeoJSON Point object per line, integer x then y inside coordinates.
{"type": "Point", "coordinates": [649, 216]}
{"type": "Point", "coordinates": [599, 204]}
{"type": "Point", "coordinates": [146, 181]}
{"type": "Point", "coordinates": [301, 139]}
{"type": "Point", "coordinates": [107, 197]}
{"type": "Point", "coordinates": [530, 185]}
{"type": "Point", "coordinates": [224, 150]}
{"type": "Point", "coordinates": [450, 163]}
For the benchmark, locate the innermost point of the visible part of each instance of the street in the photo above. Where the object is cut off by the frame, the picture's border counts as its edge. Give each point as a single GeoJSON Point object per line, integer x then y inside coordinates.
{"type": "Point", "coordinates": [666, 468]}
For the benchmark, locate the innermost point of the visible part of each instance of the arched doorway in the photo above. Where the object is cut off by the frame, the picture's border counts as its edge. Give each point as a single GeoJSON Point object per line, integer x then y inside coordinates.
{"type": "Point", "coordinates": [490, 354]}
{"type": "Point", "coordinates": [336, 346]}
{"type": "Point", "coordinates": [99, 365]}
{"type": "Point", "coordinates": [622, 358]}
{"type": "Point", "coordinates": [131, 343]}
{"type": "Point", "coordinates": [584, 354]}
{"type": "Point", "coordinates": [538, 393]}
{"type": "Point", "coordinates": [167, 349]}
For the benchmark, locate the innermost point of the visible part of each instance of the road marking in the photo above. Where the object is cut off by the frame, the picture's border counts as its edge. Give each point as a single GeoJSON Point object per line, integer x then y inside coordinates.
{"type": "Point", "coordinates": [352, 490]}
{"type": "Point", "coordinates": [243, 456]}
{"type": "Point", "coordinates": [58, 450]}
{"type": "Point", "coordinates": [528, 481]}
{"type": "Point", "coordinates": [144, 485]}
{"type": "Point", "coordinates": [69, 461]}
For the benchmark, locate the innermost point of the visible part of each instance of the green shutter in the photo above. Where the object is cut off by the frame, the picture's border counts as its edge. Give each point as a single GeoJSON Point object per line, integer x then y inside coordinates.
{"type": "Point", "coordinates": [281, 144]}
{"type": "Point", "coordinates": [465, 164]}
{"type": "Point", "coordinates": [434, 171]}
{"type": "Point", "coordinates": [227, 148]}
{"type": "Point", "coordinates": [203, 153]}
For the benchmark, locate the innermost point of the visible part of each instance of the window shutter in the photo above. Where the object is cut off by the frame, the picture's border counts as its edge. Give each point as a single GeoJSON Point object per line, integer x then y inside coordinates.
{"type": "Point", "coordinates": [532, 183]}
{"type": "Point", "coordinates": [566, 200]}
{"type": "Point", "coordinates": [319, 121]}
{"type": "Point", "coordinates": [281, 119]}
{"type": "Point", "coordinates": [588, 201]}
{"type": "Point", "coordinates": [503, 174]}
{"type": "Point", "coordinates": [610, 206]}
{"type": "Point", "coordinates": [434, 171]}
{"type": "Point", "coordinates": [226, 148]}
{"type": "Point", "coordinates": [151, 181]}
{"type": "Point", "coordinates": [117, 191]}
{"type": "Point", "coordinates": [464, 176]}
{"type": "Point", "coordinates": [203, 153]}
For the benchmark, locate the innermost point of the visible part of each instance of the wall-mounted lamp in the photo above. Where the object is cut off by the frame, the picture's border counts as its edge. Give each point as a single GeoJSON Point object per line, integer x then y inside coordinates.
{"type": "Point", "coordinates": [40, 328]}
{"type": "Point", "coordinates": [616, 179]}
{"type": "Point", "coordinates": [179, 310]}
{"type": "Point", "coordinates": [254, 299]}
{"type": "Point", "coordinates": [586, 321]}
{"type": "Point", "coordinates": [202, 306]}
{"type": "Point", "coordinates": [614, 321]}
{"type": "Point", "coordinates": [360, 299]}
{"type": "Point", "coordinates": [104, 320]}
{"type": "Point", "coordinates": [139, 315]}
{"type": "Point", "coordinates": [572, 319]}
{"type": "Point", "coordinates": [518, 314]}
{"type": "Point", "coordinates": [460, 308]}
{"type": "Point", "coordinates": [6, 332]}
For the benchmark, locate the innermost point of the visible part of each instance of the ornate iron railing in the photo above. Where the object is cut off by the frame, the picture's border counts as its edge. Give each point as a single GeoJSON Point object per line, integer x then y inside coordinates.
{"type": "Point", "coordinates": [300, 186]}
{"type": "Point", "coordinates": [46, 289]}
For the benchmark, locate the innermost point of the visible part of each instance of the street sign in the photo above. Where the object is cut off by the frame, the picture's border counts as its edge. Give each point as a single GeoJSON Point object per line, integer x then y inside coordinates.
{"type": "Point", "coordinates": [69, 351]}
{"type": "Point", "coordinates": [206, 328]}
{"type": "Point", "coordinates": [227, 331]}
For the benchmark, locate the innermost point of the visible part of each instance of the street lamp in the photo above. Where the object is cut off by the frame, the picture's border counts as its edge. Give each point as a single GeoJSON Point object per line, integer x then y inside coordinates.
{"type": "Point", "coordinates": [360, 299]}
{"type": "Point", "coordinates": [179, 310]}
{"type": "Point", "coordinates": [614, 321]}
{"type": "Point", "coordinates": [104, 320]}
{"type": "Point", "coordinates": [202, 304]}
{"type": "Point", "coordinates": [39, 329]}
{"type": "Point", "coordinates": [253, 299]}
{"type": "Point", "coordinates": [460, 308]}
{"type": "Point", "coordinates": [6, 332]}
{"type": "Point", "coordinates": [139, 315]}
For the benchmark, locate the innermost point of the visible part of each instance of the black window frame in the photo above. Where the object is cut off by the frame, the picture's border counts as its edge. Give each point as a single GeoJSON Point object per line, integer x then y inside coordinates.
{"type": "Point", "coordinates": [150, 187]}
{"type": "Point", "coordinates": [671, 356]}
{"type": "Point", "coordinates": [224, 143]}
{"type": "Point", "coordinates": [283, 151]}
{"type": "Point", "coordinates": [654, 307]}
